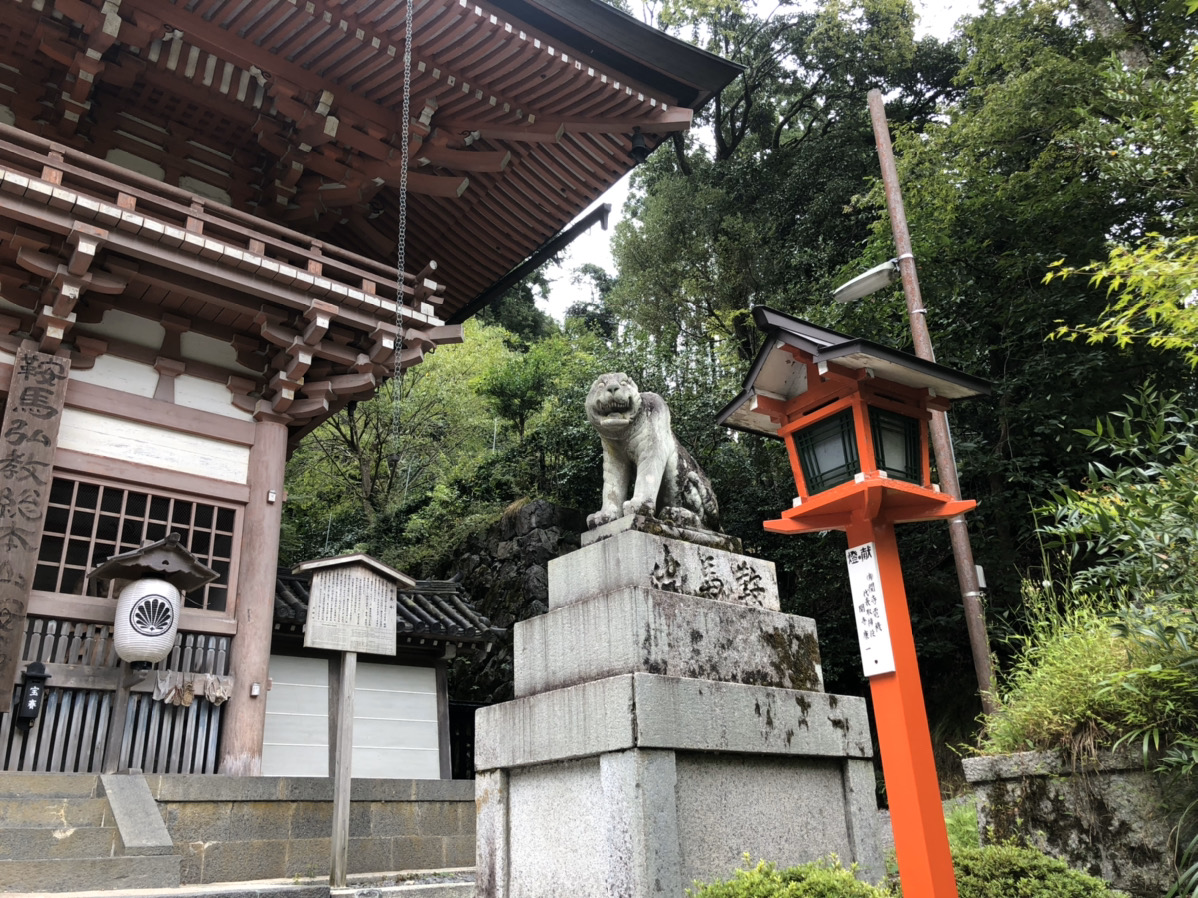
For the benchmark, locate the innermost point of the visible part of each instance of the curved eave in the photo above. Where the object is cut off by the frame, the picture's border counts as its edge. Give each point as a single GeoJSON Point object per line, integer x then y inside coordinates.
{"type": "Point", "coordinates": [615, 39]}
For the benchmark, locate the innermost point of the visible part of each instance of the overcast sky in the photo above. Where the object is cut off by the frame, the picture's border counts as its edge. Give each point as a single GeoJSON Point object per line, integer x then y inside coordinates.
{"type": "Point", "coordinates": [936, 17]}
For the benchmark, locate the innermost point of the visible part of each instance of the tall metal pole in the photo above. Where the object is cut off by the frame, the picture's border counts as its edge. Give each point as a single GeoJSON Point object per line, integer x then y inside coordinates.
{"type": "Point", "coordinates": [942, 447]}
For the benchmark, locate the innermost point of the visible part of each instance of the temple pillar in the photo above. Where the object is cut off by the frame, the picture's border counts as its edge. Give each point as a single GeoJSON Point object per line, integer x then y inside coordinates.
{"type": "Point", "coordinates": [244, 718]}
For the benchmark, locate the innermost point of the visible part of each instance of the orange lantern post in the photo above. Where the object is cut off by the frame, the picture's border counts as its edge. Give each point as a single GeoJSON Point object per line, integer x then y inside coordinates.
{"type": "Point", "coordinates": [854, 417]}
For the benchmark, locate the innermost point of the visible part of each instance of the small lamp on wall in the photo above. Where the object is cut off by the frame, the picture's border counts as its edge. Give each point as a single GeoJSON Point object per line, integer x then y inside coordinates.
{"type": "Point", "coordinates": [148, 606]}
{"type": "Point", "coordinates": [33, 694]}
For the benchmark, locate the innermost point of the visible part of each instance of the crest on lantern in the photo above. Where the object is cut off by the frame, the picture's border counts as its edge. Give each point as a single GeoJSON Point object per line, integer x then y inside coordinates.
{"type": "Point", "coordinates": [854, 417]}
{"type": "Point", "coordinates": [148, 605]}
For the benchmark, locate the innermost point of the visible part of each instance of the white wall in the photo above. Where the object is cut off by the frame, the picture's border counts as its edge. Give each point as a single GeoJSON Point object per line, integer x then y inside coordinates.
{"type": "Point", "coordinates": [108, 437]}
{"type": "Point", "coordinates": [395, 720]}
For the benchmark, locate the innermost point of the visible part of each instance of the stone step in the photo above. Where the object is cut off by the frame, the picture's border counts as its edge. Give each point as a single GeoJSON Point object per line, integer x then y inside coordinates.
{"type": "Point", "coordinates": [455, 886]}
{"type": "Point", "coordinates": [65, 842]}
{"type": "Point", "coordinates": [117, 875]}
{"type": "Point", "coordinates": [54, 813]}
{"type": "Point", "coordinates": [49, 785]}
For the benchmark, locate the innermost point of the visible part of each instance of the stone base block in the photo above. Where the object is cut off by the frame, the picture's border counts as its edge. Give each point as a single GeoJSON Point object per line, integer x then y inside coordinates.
{"type": "Point", "coordinates": [647, 711]}
{"type": "Point", "coordinates": [635, 558]}
{"type": "Point", "coordinates": [649, 631]}
{"type": "Point", "coordinates": [668, 529]}
{"type": "Point", "coordinates": [649, 823]}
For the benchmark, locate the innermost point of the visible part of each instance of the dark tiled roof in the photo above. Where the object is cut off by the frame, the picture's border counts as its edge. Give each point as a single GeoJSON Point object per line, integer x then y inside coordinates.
{"type": "Point", "coordinates": [432, 609]}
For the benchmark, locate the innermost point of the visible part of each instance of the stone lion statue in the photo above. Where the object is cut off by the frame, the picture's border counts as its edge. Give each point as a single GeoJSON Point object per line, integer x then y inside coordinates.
{"type": "Point", "coordinates": [635, 430]}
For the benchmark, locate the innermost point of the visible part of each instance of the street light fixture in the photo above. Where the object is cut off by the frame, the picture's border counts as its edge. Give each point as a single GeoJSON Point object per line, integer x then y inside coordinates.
{"type": "Point", "coordinates": [872, 281]}
{"type": "Point", "coordinates": [968, 574]}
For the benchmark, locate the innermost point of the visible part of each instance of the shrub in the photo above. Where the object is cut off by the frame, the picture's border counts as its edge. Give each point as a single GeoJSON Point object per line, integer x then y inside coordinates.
{"type": "Point", "coordinates": [1007, 871]}
{"type": "Point", "coordinates": [996, 871]}
{"type": "Point", "coordinates": [818, 879]}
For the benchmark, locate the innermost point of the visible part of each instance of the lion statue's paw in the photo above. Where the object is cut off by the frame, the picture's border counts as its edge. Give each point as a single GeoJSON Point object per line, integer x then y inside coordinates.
{"type": "Point", "coordinates": [635, 507]}
{"type": "Point", "coordinates": [683, 517]}
{"type": "Point", "coordinates": [599, 518]}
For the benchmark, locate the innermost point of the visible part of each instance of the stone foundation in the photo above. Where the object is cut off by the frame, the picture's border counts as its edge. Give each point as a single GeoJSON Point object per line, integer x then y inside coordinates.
{"type": "Point", "coordinates": [229, 828]}
{"type": "Point", "coordinates": [668, 719]}
{"type": "Point", "coordinates": [1109, 818]}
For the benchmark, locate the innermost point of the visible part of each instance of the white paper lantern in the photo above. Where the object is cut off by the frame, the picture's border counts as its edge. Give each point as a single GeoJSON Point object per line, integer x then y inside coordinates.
{"type": "Point", "coordinates": [147, 620]}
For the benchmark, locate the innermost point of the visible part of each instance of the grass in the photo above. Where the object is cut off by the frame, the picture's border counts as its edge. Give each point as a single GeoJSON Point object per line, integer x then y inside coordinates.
{"type": "Point", "coordinates": [1056, 695]}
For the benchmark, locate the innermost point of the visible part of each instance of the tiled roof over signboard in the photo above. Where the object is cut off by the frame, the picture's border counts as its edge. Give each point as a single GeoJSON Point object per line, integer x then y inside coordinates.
{"type": "Point", "coordinates": [432, 610]}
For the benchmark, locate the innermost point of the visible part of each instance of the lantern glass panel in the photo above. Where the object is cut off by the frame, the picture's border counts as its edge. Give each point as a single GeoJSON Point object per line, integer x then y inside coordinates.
{"type": "Point", "coordinates": [828, 452]}
{"type": "Point", "coordinates": [896, 444]}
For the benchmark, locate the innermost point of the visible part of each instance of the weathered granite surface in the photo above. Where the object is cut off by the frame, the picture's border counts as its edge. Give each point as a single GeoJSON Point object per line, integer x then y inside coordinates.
{"type": "Point", "coordinates": [670, 718]}
{"type": "Point", "coordinates": [649, 711]}
{"type": "Point", "coordinates": [635, 630]}
{"type": "Point", "coordinates": [1110, 817]}
{"type": "Point", "coordinates": [634, 558]}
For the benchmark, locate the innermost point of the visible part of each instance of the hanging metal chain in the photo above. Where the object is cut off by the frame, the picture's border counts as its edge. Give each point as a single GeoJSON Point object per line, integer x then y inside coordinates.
{"type": "Point", "coordinates": [402, 232]}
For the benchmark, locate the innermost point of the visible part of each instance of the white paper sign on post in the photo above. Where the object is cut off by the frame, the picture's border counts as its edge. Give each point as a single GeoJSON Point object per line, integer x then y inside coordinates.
{"type": "Point", "coordinates": [873, 631]}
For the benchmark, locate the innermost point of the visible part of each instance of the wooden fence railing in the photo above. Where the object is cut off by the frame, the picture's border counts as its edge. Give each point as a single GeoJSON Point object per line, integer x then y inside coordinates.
{"type": "Point", "coordinates": [74, 732]}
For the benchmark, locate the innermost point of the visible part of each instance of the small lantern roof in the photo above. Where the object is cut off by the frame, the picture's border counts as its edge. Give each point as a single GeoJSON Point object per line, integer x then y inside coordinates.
{"type": "Point", "coordinates": [777, 374]}
{"type": "Point", "coordinates": [166, 560]}
{"type": "Point", "coordinates": [374, 564]}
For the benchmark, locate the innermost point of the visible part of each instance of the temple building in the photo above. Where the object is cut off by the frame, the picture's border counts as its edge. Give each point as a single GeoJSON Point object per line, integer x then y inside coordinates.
{"type": "Point", "coordinates": [202, 216]}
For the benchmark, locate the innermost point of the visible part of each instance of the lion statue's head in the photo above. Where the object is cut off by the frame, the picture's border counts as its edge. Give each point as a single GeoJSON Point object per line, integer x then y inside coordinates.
{"type": "Point", "coordinates": [613, 403]}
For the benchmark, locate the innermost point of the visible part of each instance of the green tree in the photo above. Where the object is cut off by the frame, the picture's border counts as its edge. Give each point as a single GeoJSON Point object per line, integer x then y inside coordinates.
{"type": "Point", "coordinates": [996, 192]}
{"type": "Point", "coordinates": [516, 310]}
{"type": "Point", "coordinates": [1155, 290]}
{"type": "Point", "coordinates": [348, 477]}
{"type": "Point", "coordinates": [759, 217]}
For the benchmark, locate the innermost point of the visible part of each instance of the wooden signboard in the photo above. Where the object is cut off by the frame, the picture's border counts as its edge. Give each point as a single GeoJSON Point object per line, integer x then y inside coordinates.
{"type": "Point", "coordinates": [351, 609]}
{"type": "Point", "coordinates": [28, 436]}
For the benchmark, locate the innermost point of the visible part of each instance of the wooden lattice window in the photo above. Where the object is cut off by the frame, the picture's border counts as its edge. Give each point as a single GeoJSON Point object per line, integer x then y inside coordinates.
{"type": "Point", "coordinates": [88, 522]}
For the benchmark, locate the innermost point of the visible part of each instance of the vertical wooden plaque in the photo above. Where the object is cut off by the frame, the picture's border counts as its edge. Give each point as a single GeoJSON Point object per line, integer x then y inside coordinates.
{"type": "Point", "coordinates": [28, 437]}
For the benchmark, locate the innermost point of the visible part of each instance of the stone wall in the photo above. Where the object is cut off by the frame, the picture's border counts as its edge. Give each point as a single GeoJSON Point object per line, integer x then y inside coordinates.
{"type": "Point", "coordinates": [1110, 818]}
{"type": "Point", "coordinates": [229, 828]}
{"type": "Point", "coordinates": [505, 573]}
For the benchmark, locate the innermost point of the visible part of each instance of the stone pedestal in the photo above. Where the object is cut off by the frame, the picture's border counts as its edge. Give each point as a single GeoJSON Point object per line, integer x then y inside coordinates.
{"type": "Point", "coordinates": [669, 719]}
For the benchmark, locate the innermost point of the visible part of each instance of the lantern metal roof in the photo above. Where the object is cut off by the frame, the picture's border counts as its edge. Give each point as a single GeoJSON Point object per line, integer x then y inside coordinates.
{"type": "Point", "coordinates": [777, 374]}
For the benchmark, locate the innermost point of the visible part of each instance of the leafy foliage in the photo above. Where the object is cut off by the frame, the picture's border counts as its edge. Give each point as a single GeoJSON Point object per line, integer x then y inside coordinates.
{"type": "Point", "coordinates": [819, 879]}
{"type": "Point", "coordinates": [1155, 285]}
{"type": "Point", "coordinates": [993, 871]}
{"type": "Point", "coordinates": [961, 823]}
{"type": "Point", "coordinates": [1008, 871]}
{"type": "Point", "coordinates": [1055, 695]}
{"type": "Point", "coordinates": [1134, 524]}
{"type": "Point", "coordinates": [996, 192]}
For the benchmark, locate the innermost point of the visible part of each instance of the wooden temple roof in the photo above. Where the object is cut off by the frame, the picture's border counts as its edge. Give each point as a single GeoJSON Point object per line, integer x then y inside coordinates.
{"type": "Point", "coordinates": [231, 168]}
{"type": "Point", "coordinates": [293, 109]}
